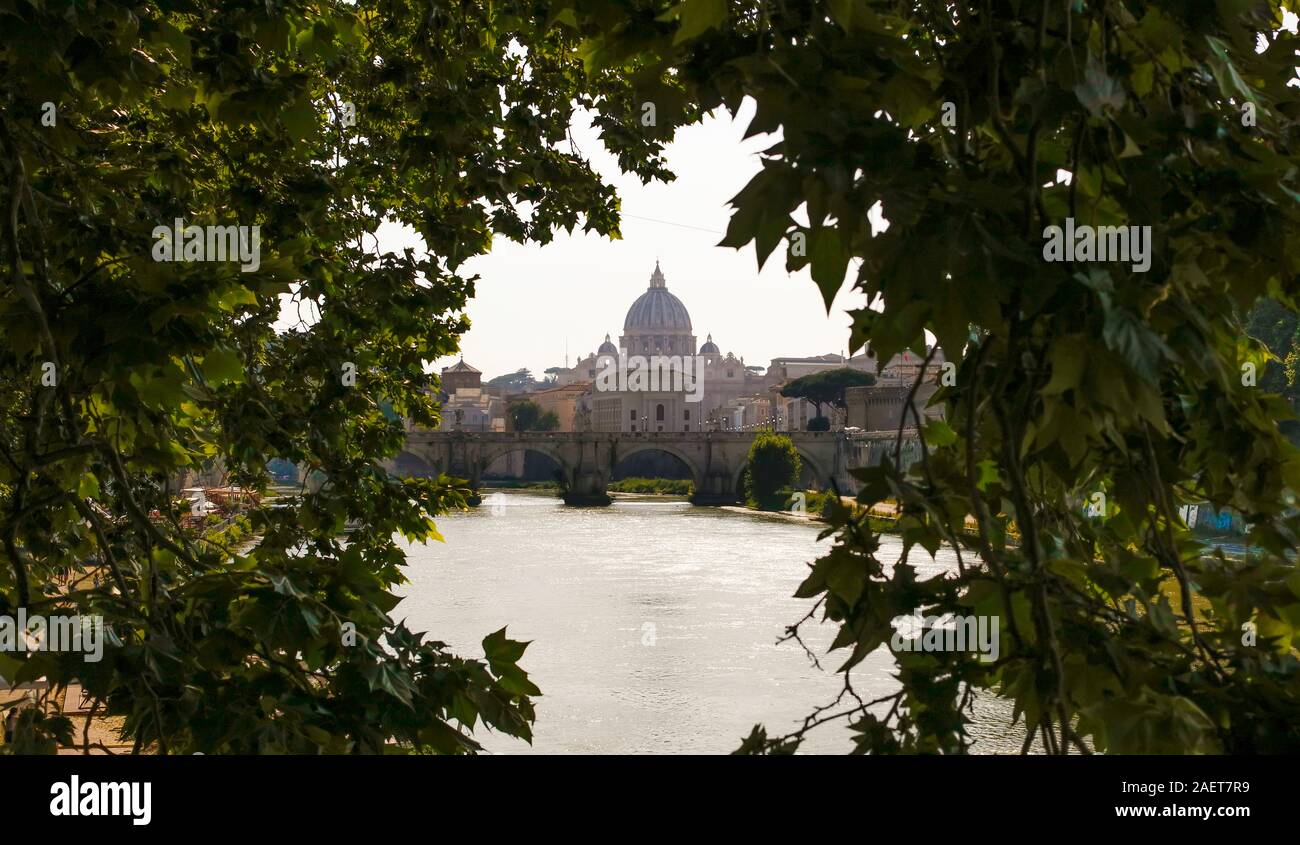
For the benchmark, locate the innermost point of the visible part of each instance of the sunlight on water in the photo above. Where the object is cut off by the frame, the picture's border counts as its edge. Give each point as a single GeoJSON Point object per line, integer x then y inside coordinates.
{"type": "Point", "coordinates": [653, 623]}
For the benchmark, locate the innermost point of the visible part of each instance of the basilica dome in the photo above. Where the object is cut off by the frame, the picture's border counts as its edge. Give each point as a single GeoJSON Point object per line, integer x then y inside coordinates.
{"type": "Point", "coordinates": [657, 310]}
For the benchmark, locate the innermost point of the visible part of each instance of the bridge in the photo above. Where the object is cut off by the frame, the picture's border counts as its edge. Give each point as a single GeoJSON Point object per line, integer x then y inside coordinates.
{"type": "Point", "coordinates": [586, 460]}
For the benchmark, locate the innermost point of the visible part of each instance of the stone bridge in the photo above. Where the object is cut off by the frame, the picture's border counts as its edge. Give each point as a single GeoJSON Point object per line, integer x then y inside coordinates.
{"type": "Point", "coordinates": [716, 460]}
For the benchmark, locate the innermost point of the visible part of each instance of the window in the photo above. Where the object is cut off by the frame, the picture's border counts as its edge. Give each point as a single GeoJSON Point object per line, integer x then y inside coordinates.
{"type": "Point", "coordinates": [687, 428]}
{"type": "Point", "coordinates": [659, 414]}
{"type": "Point", "coordinates": [688, 414]}
{"type": "Point", "coordinates": [631, 415]}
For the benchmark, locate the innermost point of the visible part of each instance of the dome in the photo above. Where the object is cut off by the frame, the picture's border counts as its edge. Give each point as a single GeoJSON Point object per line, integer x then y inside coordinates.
{"type": "Point", "coordinates": [657, 310]}
{"type": "Point", "coordinates": [607, 348]}
{"type": "Point", "coordinates": [709, 347]}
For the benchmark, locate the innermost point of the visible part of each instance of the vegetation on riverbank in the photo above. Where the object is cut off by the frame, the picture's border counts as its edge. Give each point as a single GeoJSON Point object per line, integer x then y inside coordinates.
{"type": "Point", "coordinates": [510, 484]}
{"type": "Point", "coordinates": [223, 533]}
{"type": "Point", "coordinates": [773, 470]}
{"type": "Point", "coordinates": [653, 486]}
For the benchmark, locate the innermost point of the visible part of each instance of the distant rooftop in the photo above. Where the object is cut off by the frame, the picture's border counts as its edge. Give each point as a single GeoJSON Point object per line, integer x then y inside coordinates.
{"type": "Point", "coordinates": [816, 359]}
{"type": "Point", "coordinates": [460, 367]}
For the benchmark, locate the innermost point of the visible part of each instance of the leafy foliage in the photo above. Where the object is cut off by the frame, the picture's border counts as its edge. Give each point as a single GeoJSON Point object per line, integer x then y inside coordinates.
{"type": "Point", "coordinates": [826, 387]}
{"type": "Point", "coordinates": [972, 128]}
{"type": "Point", "coordinates": [1072, 379]}
{"type": "Point", "coordinates": [241, 114]}
{"type": "Point", "coordinates": [653, 486]}
{"type": "Point", "coordinates": [527, 415]}
{"type": "Point", "coordinates": [521, 380]}
{"type": "Point", "coordinates": [1278, 329]}
{"type": "Point", "coordinates": [773, 469]}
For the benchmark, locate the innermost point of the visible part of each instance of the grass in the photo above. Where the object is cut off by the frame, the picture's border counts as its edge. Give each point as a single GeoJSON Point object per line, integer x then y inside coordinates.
{"type": "Point", "coordinates": [653, 486]}
{"type": "Point", "coordinates": [815, 501]}
{"type": "Point", "coordinates": [512, 484]}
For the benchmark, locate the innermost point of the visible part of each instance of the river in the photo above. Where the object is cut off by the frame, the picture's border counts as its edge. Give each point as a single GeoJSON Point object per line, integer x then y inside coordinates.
{"type": "Point", "coordinates": [654, 624]}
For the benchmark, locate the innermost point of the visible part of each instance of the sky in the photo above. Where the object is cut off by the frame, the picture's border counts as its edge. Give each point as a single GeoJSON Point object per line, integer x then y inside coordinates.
{"type": "Point", "coordinates": [533, 301]}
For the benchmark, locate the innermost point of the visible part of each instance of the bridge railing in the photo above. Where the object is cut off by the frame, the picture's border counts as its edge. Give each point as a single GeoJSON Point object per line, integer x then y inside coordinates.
{"type": "Point", "coordinates": [908, 433]}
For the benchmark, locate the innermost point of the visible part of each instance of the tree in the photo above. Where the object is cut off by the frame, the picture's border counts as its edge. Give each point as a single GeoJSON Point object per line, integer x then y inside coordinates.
{"type": "Point", "coordinates": [984, 132]}
{"type": "Point", "coordinates": [827, 387]}
{"type": "Point", "coordinates": [520, 381]}
{"type": "Point", "coordinates": [316, 123]}
{"type": "Point", "coordinates": [773, 468]}
{"type": "Point", "coordinates": [527, 415]}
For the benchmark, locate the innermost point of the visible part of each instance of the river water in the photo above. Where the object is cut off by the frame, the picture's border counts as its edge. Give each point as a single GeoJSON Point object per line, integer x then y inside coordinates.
{"type": "Point", "coordinates": [654, 624]}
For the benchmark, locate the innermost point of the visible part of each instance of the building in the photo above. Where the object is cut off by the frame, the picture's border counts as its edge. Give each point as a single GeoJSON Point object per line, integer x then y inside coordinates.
{"type": "Point", "coordinates": [900, 369]}
{"type": "Point", "coordinates": [692, 389]}
{"type": "Point", "coordinates": [880, 407]}
{"type": "Point", "coordinates": [874, 405]}
{"type": "Point", "coordinates": [472, 409]}
{"type": "Point", "coordinates": [782, 370]}
{"type": "Point", "coordinates": [562, 401]}
{"type": "Point", "coordinates": [460, 375]}
{"type": "Point", "coordinates": [466, 404]}
{"type": "Point", "coordinates": [658, 332]}
{"type": "Point", "coordinates": [745, 412]}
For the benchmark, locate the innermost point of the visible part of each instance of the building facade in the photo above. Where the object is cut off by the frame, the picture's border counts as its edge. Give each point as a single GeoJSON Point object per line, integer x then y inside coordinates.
{"type": "Point", "coordinates": [466, 404]}
{"type": "Point", "coordinates": [690, 388]}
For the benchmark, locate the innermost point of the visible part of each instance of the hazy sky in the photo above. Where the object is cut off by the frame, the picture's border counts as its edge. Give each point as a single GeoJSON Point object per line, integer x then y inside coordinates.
{"type": "Point", "coordinates": [533, 300]}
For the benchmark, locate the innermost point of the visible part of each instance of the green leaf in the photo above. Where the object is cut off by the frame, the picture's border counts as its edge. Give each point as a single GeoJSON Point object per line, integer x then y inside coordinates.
{"type": "Point", "coordinates": [939, 434]}
{"type": "Point", "coordinates": [829, 262]}
{"type": "Point", "coordinates": [697, 17]}
{"type": "Point", "coordinates": [223, 366]}
{"type": "Point", "coordinates": [300, 119]}
{"type": "Point", "coordinates": [1141, 348]}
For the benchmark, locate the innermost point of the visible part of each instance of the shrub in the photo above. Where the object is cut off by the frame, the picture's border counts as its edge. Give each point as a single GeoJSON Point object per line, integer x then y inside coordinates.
{"type": "Point", "coordinates": [653, 486]}
{"type": "Point", "coordinates": [773, 466]}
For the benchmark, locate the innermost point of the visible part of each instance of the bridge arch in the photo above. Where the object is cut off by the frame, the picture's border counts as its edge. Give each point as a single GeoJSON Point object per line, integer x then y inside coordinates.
{"type": "Point", "coordinates": [692, 465]}
{"type": "Point", "coordinates": [410, 463]}
{"type": "Point", "coordinates": [491, 454]}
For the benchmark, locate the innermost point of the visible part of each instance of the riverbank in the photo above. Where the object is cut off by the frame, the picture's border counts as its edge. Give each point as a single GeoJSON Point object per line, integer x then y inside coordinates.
{"type": "Point", "coordinates": [518, 485]}
{"type": "Point", "coordinates": [649, 497]}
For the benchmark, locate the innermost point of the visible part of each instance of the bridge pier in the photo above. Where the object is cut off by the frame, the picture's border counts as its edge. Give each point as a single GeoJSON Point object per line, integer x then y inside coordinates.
{"type": "Point", "coordinates": [716, 483]}
{"type": "Point", "coordinates": [716, 488]}
{"type": "Point", "coordinates": [586, 488]}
